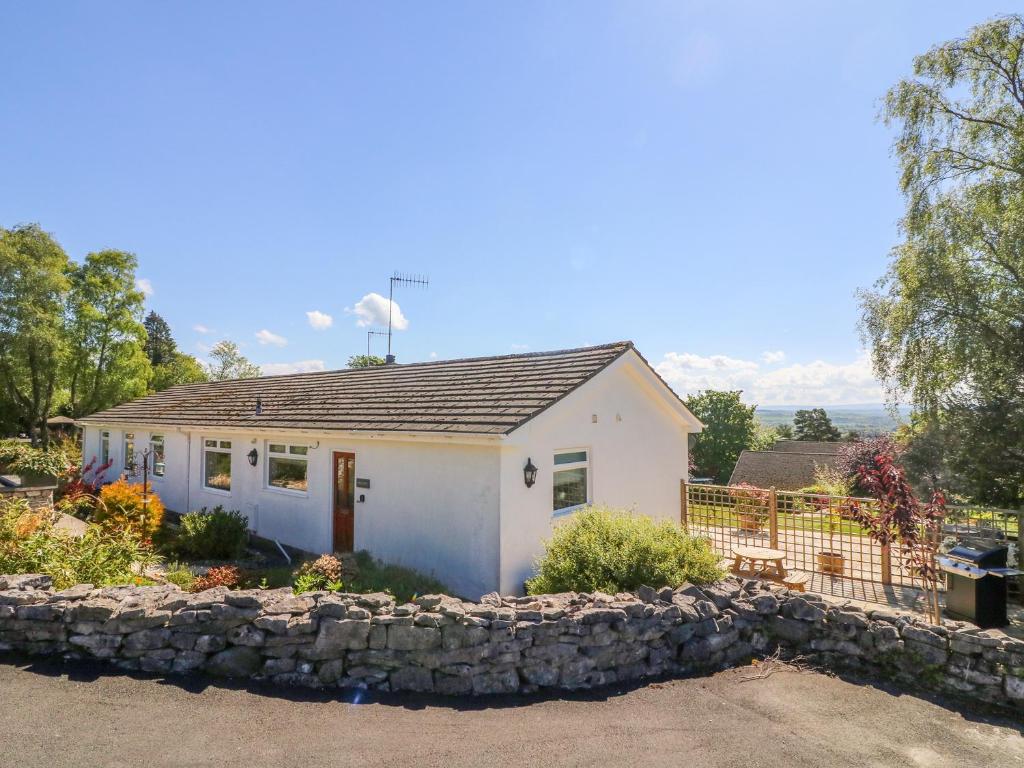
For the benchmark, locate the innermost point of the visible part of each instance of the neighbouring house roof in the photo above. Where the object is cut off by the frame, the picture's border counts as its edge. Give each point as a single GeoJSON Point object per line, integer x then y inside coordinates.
{"type": "Point", "coordinates": [778, 469]}
{"type": "Point", "coordinates": [806, 446]}
{"type": "Point", "coordinates": [484, 395]}
{"type": "Point", "coordinates": [56, 421]}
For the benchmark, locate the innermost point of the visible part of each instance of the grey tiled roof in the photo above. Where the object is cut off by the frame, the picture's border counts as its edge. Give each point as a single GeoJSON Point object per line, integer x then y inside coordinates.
{"type": "Point", "coordinates": [485, 395]}
{"type": "Point", "coordinates": [784, 471]}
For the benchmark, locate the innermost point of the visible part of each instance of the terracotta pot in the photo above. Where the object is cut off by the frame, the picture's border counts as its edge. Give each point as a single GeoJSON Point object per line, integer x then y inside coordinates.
{"type": "Point", "coordinates": [749, 522]}
{"type": "Point", "coordinates": [832, 562]}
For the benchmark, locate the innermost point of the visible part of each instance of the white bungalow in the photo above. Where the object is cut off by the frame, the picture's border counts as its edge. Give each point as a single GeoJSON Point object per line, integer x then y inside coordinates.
{"type": "Point", "coordinates": [429, 465]}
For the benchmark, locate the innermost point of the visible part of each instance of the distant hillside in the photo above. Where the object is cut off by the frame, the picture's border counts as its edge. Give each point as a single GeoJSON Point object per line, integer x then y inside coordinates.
{"type": "Point", "coordinates": [865, 419]}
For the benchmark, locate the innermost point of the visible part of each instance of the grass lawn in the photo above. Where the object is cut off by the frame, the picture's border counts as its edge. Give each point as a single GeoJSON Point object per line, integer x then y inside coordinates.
{"type": "Point", "coordinates": [724, 517]}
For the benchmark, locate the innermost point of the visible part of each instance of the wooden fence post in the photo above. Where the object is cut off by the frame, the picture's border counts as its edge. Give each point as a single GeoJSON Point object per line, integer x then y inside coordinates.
{"type": "Point", "coordinates": [773, 517]}
{"type": "Point", "coordinates": [683, 492]}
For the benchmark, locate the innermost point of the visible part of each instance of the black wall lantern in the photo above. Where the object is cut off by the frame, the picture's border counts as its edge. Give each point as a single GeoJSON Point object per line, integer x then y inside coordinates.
{"type": "Point", "coordinates": [529, 473]}
{"type": "Point", "coordinates": [252, 457]}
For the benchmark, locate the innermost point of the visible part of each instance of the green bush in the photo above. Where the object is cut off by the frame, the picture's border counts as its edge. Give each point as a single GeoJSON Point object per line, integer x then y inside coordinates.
{"type": "Point", "coordinates": [322, 573]}
{"type": "Point", "coordinates": [22, 459]}
{"type": "Point", "coordinates": [609, 550]}
{"type": "Point", "coordinates": [180, 575]}
{"type": "Point", "coordinates": [215, 534]}
{"type": "Point", "coordinates": [30, 544]}
{"type": "Point", "coordinates": [402, 583]}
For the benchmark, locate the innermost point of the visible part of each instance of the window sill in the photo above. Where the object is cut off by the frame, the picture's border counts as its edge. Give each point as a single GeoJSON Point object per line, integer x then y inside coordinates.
{"type": "Point", "coordinates": [218, 491]}
{"type": "Point", "coordinates": [287, 492]}
{"type": "Point", "coordinates": [568, 510]}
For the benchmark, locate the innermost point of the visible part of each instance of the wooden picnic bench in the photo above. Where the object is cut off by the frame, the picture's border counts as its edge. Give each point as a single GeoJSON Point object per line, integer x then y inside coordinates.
{"type": "Point", "coordinates": [766, 563]}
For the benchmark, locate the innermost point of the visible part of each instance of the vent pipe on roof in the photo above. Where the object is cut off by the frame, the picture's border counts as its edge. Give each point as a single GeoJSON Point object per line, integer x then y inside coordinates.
{"type": "Point", "coordinates": [259, 405]}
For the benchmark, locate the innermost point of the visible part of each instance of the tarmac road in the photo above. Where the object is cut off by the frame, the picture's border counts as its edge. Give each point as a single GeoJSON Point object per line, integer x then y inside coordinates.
{"type": "Point", "coordinates": [53, 715]}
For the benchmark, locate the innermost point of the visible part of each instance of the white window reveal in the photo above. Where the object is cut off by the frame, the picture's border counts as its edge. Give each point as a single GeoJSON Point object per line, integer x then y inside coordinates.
{"type": "Point", "coordinates": [217, 465]}
{"type": "Point", "coordinates": [287, 467]}
{"type": "Point", "coordinates": [571, 488]}
{"type": "Point", "coordinates": [104, 447]}
{"type": "Point", "coordinates": [129, 450]}
{"type": "Point", "coordinates": [156, 455]}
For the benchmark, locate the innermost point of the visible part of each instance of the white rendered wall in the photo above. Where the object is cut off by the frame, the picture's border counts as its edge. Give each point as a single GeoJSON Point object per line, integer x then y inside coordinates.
{"type": "Point", "coordinates": [172, 487]}
{"type": "Point", "coordinates": [431, 506]}
{"type": "Point", "coordinates": [637, 450]}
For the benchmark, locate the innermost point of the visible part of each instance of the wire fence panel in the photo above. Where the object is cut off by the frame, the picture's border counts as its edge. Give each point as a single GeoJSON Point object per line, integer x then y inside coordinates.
{"type": "Point", "coordinates": [821, 538]}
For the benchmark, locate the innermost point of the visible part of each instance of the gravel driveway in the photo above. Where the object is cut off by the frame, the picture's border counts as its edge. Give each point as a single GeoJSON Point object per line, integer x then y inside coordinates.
{"type": "Point", "coordinates": [51, 719]}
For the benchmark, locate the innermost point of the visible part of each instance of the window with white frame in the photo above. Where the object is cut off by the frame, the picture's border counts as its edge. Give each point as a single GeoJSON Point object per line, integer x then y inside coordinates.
{"type": "Point", "coordinates": [570, 480]}
{"type": "Point", "coordinates": [287, 467]}
{"type": "Point", "coordinates": [104, 447]}
{"type": "Point", "coordinates": [217, 464]}
{"type": "Point", "coordinates": [156, 455]}
{"type": "Point", "coordinates": [128, 458]}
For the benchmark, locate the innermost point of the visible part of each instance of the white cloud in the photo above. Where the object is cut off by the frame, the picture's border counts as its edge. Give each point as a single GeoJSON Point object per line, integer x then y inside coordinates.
{"type": "Point", "coordinates": [266, 337]}
{"type": "Point", "coordinates": [145, 285]}
{"type": "Point", "coordinates": [372, 309]}
{"type": "Point", "coordinates": [299, 366]}
{"type": "Point", "coordinates": [520, 347]}
{"type": "Point", "coordinates": [433, 355]}
{"type": "Point", "coordinates": [319, 321]}
{"type": "Point", "coordinates": [815, 383]}
{"type": "Point", "coordinates": [200, 328]}
{"type": "Point", "coordinates": [773, 358]}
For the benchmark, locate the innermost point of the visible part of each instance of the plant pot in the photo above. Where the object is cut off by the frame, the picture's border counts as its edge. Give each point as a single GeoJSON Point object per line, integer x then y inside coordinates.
{"type": "Point", "coordinates": [750, 523]}
{"type": "Point", "coordinates": [832, 562]}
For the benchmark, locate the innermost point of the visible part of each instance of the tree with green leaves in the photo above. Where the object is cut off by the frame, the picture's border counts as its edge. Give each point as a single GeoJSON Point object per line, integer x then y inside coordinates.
{"type": "Point", "coordinates": [729, 427]}
{"type": "Point", "coordinates": [784, 431]}
{"type": "Point", "coordinates": [944, 323]}
{"type": "Point", "coordinates": [160, 344]}
{"type": "Point", "coordinates": [177, 369]}
{"type": "Point", "coordinates": [365, 361]}
{"type": "Point", "coordinates": [106, 362]}
{"type": "Point", "coordinates": [170, 367]}
{"type": "Point", "coordinates": [814, 424]}
{"type": "Point", "coordinates": [33, 285]}
{"type": "Point", "coordinates": [228, 362]}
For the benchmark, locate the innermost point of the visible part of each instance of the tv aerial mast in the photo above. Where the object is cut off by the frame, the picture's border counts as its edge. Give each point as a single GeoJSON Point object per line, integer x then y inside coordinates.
{"type": "Point", "coordinates": [401, 278]}
{"type": "Point", "coordinates": [370, 334]}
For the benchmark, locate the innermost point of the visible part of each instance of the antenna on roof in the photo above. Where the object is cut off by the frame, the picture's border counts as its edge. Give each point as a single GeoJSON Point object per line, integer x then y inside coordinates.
{"type": "Point", "coordinates": [371, 333]}
{"type": "Point", "coordinates": [401, 278]}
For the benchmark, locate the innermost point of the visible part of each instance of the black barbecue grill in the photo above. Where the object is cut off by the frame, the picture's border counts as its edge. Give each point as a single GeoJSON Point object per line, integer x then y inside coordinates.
{"type": "Point", "coordinates": [976, 582]}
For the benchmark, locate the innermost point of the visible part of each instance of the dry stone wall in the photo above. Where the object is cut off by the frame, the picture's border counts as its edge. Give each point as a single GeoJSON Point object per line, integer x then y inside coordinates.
{"type": "Point", "coordinates": [39, 497]}
{"type": "Point", "coordinates": [444, 645]}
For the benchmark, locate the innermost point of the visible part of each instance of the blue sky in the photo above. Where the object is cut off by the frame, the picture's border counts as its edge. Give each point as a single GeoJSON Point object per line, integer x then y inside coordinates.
{"type": "Point", "coordinates": [707, 179]}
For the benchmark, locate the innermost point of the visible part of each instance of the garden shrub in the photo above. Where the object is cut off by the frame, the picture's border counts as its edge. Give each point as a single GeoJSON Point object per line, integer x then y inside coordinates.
{"type": "Point", "coordinates": [751, 505]}
{"type": "Point", "coordinates": [400, 582]}
{"type": "Point", "coordinates": [222, 576]}
{"type": "Point", "coordinates": [22, 459]}
{"type": "Point", "coordinates": [607, 550]}
{"type": "Point", "coordinates": [215, 534]}
{"type": "Point", "coordinates": [180, 575]}
{"type": "Point", "coordinates": [322, 573]}
{"type": "Point", "coordinates": [30, 544]}
{"type": "Point", "coordinates": [120, 508]}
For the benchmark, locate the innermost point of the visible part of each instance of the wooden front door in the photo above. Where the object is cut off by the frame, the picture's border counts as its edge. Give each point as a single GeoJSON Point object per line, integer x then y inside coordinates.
{"type": "Point", "coordinates": [344, 501]}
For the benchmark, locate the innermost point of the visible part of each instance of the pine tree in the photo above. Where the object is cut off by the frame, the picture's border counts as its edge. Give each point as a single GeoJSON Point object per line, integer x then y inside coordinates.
{"type": "Point", "coordinates": [160, 346]}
